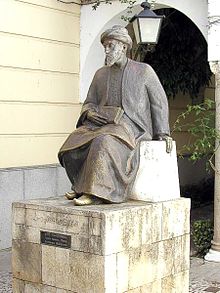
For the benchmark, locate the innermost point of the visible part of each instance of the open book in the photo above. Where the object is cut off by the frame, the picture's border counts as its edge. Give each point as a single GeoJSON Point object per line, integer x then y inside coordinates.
{"type": "Point", "coordinates": [111, 113]}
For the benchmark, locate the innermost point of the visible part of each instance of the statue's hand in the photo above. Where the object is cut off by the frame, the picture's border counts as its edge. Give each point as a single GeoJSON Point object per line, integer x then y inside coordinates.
{"type": "Point", "coordinates": [96, 118]}
{"type": "Point", "coordinates": [168, 139]}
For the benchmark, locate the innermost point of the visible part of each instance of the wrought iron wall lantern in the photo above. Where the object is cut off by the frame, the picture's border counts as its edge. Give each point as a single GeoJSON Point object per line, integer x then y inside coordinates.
{"type": "Point", "coordinates": [147, 27]}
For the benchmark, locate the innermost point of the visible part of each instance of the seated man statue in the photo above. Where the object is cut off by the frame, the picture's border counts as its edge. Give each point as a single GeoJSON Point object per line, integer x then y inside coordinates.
{"type": "Point", "coordinates": [125, 105]}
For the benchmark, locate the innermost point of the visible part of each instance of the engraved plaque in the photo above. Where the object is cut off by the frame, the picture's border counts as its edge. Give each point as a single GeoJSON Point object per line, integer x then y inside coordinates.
{"type": "Point", "coordinates": [55, 239]}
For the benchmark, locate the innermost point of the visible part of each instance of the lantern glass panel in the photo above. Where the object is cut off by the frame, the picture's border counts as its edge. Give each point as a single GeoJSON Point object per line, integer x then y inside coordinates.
{"type": "Point", "coordinates": [136, 30]}
{"type": "Point", "coordinates": [149, 28]}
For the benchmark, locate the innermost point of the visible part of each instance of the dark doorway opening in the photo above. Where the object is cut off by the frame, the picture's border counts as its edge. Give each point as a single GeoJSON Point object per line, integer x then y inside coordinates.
{"type": "Point", "coordinates": [180, 61]}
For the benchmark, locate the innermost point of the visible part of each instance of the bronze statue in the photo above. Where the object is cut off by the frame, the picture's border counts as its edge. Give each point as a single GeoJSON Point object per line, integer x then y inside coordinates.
{"type": "Point", "coordinates": [125, 104]}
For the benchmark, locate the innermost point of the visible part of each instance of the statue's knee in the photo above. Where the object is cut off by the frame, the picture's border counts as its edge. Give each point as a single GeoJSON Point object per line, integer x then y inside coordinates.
{"type": "Point", "coordinates": [102, 141]}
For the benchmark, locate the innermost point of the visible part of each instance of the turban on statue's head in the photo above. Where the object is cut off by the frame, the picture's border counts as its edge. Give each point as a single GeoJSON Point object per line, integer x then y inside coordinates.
{"type": "Point", "coordinates": [119, 33]}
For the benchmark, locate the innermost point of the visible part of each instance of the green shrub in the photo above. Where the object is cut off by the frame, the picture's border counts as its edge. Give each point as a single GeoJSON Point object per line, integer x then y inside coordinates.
{"type": "Point", "coordinates": [202, 234]}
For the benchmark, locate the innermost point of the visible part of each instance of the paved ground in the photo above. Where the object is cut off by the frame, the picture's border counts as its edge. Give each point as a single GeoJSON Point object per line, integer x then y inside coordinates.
{"type": "Point", "coordinates": [204, 276]}
{"type": "Point", "coordinates": [5, 272]}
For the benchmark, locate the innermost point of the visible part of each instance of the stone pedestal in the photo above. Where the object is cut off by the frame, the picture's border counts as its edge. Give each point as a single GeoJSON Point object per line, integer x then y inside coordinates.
{"type": "Point", "coordinates": [134, 247]}
{"type": "Point", "coordinates": [157, 178]}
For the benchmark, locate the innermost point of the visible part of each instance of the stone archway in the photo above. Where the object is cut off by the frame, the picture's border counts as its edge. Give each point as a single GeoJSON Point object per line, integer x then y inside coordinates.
{"type": "Point", "coordinates": [181, 70]}
{"type": "Point", "coordinates": [94, 22]}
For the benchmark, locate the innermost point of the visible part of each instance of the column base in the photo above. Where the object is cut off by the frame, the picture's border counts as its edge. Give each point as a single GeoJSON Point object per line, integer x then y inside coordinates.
{"type": "Point", "coordinates": [213, 255]}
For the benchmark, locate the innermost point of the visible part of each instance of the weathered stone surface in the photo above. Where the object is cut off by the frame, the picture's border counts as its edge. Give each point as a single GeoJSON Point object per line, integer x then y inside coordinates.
{"type": "Point", "coordinates": [80, 243]}
{"type": "Point", "coordinates": [160, 169]}
{"type": "Point", "coordinates": [78, 271]}
{"type": "Point", "coordinates": [175, 218]}
{"type": "Point", "coordinates": [96, 245]}
{"type": "Point", "coordinates": [93, 273]}
{"type": "Point", "coordinates": [20, 286]}
{"type": "Point", "coordinates": [26, 261]}
{"type": "Point", "coordinates": [173, 255]}
{"type": "Point", "coordinates": [114, 248]}
{"type": "Point", "coordinates": [56, 267]}
{"type": "Point", "coordinates": [110, 274]}
{"type": "Point", "coordinates": [49, 265]}
{"type": "Point", "coordinates": [61, 291]}
{"type": "Point", "coordinates": [143, 265]}
{"type": "Point", "coordinates": [19, 215]}
{"type": "Point", "coordinates": [185, 252]}
{"type": "Point", "coordinates": [139, 268]}
{"type": "Point", "coordinates": [182, 252]}
{"type": "Point", "coordinates": [72, 224]}
{"type": "Point", "coordinates": [57, 221]}
{"type": "Point", "coordinates": [63, 271]}
{"type": "Point", "coordinates": [28, 234]}
{"type": "Point", "coordinates": [17, 285]}
{"type": "Point", "coordinates": [178, 283]}
{"type": "Point", "coordinates": [155, 223]}
{"type": "Point", "coordinates": [122, 271]}
{"type": "Point", "coordinates": [132, 229]}
{"type": "Point", "coordinates": [33, 288]}
{"type": "Point", "coordinates": [136, 290]}
{"type": "Point", "coordinates": [149, 288]}
{"type": "Point", "coordinates": [40, 219]}
{"type": "Point", "coordinates": [59, 205]}
{"type": "Point", "coordinates": [95, 226]}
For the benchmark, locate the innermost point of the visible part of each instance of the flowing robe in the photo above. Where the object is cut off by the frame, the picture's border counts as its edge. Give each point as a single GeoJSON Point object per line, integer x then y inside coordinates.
{"type": "Point", "coordinates": [103, 161]}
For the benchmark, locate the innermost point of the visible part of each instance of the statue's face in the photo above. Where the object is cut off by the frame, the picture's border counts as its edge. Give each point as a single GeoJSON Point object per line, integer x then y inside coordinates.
{"type": "Point", "coordinates": [114, 50]}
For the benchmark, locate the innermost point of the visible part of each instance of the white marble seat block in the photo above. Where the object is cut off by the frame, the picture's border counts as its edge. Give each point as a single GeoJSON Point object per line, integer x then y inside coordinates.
{"type": "Point", "coordinates": [157, 178]}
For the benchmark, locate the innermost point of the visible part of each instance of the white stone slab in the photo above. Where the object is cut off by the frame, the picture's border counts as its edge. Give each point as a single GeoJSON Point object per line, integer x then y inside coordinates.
{"type": "Point", "coordinates": [157, 178]}
{"type": "Point", "coordinates": [213, 255]}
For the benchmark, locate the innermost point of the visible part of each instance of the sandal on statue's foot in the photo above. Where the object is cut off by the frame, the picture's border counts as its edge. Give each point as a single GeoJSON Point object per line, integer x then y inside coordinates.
{"type": "Point", "coordinates": [87, 200]}
{"type": "Point", "coordinates": [71, 195]}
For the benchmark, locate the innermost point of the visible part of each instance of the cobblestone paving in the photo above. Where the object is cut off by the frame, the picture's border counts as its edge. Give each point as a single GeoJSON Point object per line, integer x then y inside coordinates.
{"type": "Point", "coordinates": [203, 286]}
{"type": "Point", "coordinates": [5, 282]}
{"type": "Point", "coordinates": [196, 286]}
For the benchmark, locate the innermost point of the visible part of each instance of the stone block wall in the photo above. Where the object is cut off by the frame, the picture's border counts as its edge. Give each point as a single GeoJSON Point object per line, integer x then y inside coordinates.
{"type": "Point", "coordinates": [133, 247]}
{"type": "Point", "coordinates": [27, 183]}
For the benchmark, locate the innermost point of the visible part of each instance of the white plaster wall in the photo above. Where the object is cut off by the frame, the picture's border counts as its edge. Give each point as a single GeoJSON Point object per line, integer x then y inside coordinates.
{"type": "Point", "coordinates": [214, 30]}
{"type": "Point", "coordinates": [93, 23]}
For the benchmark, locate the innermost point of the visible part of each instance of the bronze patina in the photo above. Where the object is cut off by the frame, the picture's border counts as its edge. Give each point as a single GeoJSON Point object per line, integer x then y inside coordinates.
{"type": "Point", "coordinates": [125, 105]}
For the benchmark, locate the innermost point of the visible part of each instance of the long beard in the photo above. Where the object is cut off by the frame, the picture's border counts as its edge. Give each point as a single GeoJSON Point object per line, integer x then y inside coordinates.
{"type": "Point", "coordinates": [111, 58]}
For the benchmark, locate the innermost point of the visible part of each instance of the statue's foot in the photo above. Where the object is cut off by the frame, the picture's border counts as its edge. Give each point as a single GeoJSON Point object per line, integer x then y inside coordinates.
{"type": "Point", "coordinates": [87, 200]}
{"type": "Point", "coordinates": [71, 195]}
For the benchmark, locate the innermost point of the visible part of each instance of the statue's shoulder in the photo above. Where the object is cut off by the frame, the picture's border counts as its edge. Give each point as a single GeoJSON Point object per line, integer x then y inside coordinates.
{"type": "Point", "coordinates": [102, 71]}
{"type": "Point", "coordinates": [139, 65]}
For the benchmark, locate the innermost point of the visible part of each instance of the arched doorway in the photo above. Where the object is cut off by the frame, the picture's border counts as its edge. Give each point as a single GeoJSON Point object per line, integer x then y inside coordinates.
{"type": "Point", "coordinates": [94, 22]}
{"type": "Point", "coordinates": [196, 26]}
{"type": "Point", "coordinates": [180, 59]}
